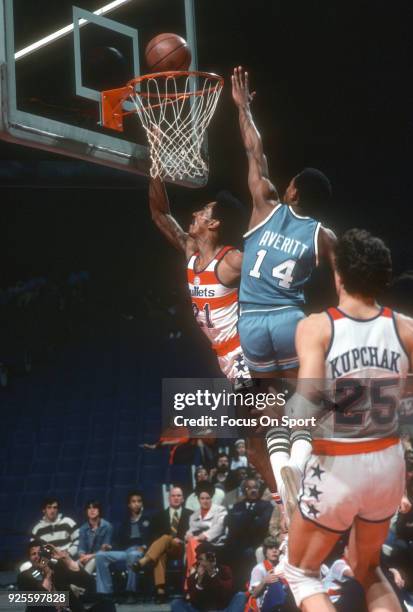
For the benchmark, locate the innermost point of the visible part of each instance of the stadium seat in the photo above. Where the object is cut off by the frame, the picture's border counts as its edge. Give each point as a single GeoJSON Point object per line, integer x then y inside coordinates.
{"type": "Point", "coordinates": [15, 468]}
{"type": "Point", "coordinates": [181, 474]}
{"type": "Point", "coordinates": [125, 477]}
{"type": "Point", "coordinates": [98, 462]}
{"type": "Point", "coordinates": [65, 481]}
{"type": "Point", "coordinates": [47, 451]}
{"type": "Point", "coordinates": [125, 460]}
{"type": "Point", "coordinates": [38, 483]}
{"type": "Point", "coordinates": [152, 474]}
{"type": "Point", "coordinates": [100, 446]}
{"type": "Point", "coordinates": [23, 436]}
{"type": "Point", "coordinates": [22, 453]}
{"type": "Point", "coordinates": [69, 465]}
{"type": "Point", "coordinates": [48, 434]}
{"type": "Point", "coordinates": [41, 466]}
{"type": "Point", "coordinates": [76, 434]}
{"type": "Point", "coordinates": [95, 479]}
{"type": "Point", "coordinates": [12, 484]}
{"type": "Point", "coordinates": [72, 449]}
{"type": "Point", "coordinates": [127, 443]}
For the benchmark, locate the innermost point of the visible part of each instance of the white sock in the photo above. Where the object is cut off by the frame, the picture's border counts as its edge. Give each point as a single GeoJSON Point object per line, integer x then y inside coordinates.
{"type": "Point", "coordinates": [300, 448]}
{"type": "Point", "coordinates": [278, 444]}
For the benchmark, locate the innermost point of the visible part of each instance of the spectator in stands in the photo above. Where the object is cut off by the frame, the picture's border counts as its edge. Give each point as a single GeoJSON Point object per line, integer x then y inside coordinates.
{"type": "Point", "coordinates": [206, 524]}
{"type": "Point", "coordinates": [94, 535]}
{"type": "Point", "coordinates": [236, 491]}
{"type": "Point", "coordinates": [219, 474]}
{"type": "Point", "coordinates": [277, 527]}
{"type": "Point", "coordinates": [192, 502]}
{"type": "Point", "coordinates": [339, 583]}
{"type": "Point", "coordinates": [167, 536]}
{"type": "Point", "coordinates": [132, 542]}
{"type": "Point", "coordinates": [267, 590]}
{"type": "Point", "coordinates": [239, 458]}
{"type": "Point", "coordinates": [56, 529]}
{"type": "Point", "coordinates": [248, 523]}
{"type": "Point", "coordinates": [210, 585]}
{"type": "Point", "coordinates": [44, 576]}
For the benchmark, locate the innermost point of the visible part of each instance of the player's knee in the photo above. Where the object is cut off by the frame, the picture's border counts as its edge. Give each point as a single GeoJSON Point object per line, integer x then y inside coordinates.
{"type": "Point", "coordinates": [303, 583]}
{"type": "Point", "coordinates": [100, 557]}
{"type": "Point", "coordinates": [366, 571]}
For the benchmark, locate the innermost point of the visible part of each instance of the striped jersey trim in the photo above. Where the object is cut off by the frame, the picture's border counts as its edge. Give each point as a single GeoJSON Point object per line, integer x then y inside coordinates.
{"type": "Point", "coordinates": [296, 215]}
{"type": "Point", "coordinates": [244, 310]}
{"type": "Point", "coordinates": [223, 348]}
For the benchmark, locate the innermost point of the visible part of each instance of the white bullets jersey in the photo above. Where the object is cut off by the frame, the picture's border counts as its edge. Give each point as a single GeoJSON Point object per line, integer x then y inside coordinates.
{"type": "Point", "coordinates": [370, 350]}
{"type": "Point", "coordinates": [215, 305]}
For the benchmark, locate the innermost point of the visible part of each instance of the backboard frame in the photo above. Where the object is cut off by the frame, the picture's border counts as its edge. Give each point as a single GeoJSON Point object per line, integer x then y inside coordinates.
{"type": "Point", "coordinates": [39, 132]}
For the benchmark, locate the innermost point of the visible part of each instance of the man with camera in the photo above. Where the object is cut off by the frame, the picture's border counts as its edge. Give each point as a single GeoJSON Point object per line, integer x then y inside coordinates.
{"type": "Point", "coordinates": [53, 570]}
{"type": "Point", "coordinates": [210, 586]}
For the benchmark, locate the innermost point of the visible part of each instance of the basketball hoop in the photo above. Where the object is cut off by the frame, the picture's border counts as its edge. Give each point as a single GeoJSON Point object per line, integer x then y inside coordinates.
{"type": "Point", "coordinates": [175, 109]}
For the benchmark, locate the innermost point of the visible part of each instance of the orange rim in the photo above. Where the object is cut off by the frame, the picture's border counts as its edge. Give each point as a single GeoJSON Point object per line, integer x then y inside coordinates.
{"type": "Point", "coordinates": [174, 73]}
{"type": "Point", "coordinates": [112, 99]}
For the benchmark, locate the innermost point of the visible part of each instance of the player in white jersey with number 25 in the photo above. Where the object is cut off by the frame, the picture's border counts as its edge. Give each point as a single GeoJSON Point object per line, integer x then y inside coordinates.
{"type": "Point", "coordinates": [353, 360]}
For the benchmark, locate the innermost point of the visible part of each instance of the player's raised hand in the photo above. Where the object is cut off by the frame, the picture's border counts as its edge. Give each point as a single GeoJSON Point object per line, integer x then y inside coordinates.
{"type": "Point", "coordinates": [240, 87]}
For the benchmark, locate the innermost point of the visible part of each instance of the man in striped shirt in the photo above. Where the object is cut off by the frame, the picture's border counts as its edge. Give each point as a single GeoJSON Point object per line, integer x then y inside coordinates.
{"type": "Point", "coordinates": [56, 529]}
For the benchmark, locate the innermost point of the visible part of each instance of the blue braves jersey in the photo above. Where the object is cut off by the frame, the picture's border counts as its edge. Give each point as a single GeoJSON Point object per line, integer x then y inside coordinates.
{"type": "Point", "coordinates": [280, 254]}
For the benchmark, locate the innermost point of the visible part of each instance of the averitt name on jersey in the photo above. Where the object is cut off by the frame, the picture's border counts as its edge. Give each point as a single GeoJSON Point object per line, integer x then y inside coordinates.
{"type": "Point", "coordinates": [283, 243]}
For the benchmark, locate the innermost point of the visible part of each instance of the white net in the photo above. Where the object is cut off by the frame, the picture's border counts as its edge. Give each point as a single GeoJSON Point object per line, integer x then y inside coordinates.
{"type": "Point", "coordinates": [175, 111]}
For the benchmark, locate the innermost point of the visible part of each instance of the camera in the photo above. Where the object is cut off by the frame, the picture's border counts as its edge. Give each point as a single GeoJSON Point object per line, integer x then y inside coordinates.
{"type": "Point", "coordinates": [46, 551]}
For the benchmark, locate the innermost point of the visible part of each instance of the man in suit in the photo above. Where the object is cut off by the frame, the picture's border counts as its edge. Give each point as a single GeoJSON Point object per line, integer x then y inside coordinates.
{"type": "Point", "coordinates": [168, 532]}
{"type": "Point", "coordinates": [248, 523]}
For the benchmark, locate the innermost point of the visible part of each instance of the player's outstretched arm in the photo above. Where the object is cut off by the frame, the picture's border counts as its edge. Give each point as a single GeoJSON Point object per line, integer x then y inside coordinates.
{"type": "Point", "coordinates": [161, 215]}
{"type": "Point", "coordinates": [264, 194]}
{"type": "Point", "coordinates": [311, 341]}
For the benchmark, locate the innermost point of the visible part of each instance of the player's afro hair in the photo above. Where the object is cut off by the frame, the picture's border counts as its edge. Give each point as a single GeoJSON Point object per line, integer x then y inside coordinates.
{"type": "Point", "coordinates": [313, 187]}
{"type": "Point", "coordinates": [363, 262]}
{"type": "Point", "coordinates": [230, 212]}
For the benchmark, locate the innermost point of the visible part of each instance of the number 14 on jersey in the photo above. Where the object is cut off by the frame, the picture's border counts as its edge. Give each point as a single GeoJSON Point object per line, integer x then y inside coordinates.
{"type": "Point", "coordinates": [283, 272]}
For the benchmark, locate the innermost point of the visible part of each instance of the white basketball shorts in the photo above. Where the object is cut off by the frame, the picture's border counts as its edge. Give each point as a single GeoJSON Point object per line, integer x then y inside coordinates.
{"type": "Point", "coordinates": [337, 488]}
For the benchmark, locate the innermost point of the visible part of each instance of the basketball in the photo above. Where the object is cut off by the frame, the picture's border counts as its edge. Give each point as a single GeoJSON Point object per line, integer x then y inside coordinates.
{"type": "Point", "coordinates": [167, 52]}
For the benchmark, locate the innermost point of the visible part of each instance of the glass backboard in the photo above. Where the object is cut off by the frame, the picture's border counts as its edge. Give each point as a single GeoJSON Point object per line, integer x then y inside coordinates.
{"type": "Point", "coordinates": [55, 59]}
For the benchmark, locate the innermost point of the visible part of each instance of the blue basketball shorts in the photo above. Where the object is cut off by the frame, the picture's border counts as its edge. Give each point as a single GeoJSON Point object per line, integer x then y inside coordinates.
{"type": "Point", "coordinates": [268, 337]}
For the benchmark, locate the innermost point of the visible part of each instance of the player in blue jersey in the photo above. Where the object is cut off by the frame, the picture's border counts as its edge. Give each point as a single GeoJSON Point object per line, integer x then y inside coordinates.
{"type": "Point", "coordinates": [282, 247]}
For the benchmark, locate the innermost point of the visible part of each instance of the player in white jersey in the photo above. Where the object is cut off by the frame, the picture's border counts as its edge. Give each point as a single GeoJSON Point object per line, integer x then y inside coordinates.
{"type": "Point", "coordinates": [355, 477]}
{"type": "Point", "coordinates": [213, 270]}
